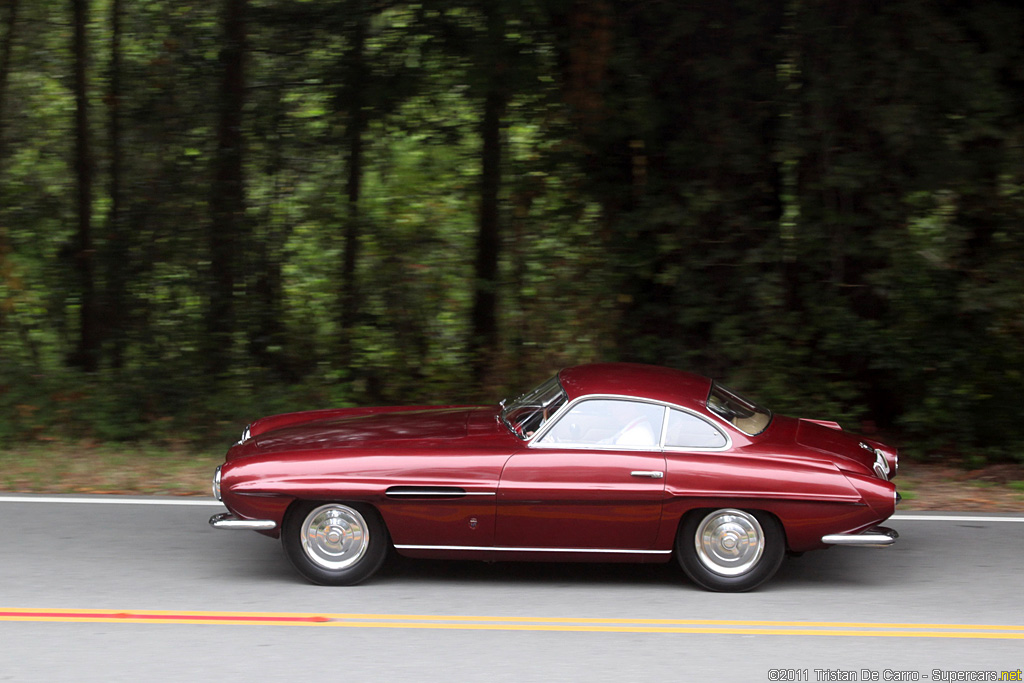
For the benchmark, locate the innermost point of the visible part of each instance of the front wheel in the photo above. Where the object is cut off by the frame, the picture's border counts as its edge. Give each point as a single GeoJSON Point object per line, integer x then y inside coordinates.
{"type": "Point", "coordinates": [730, 550]}
{"type": "Point", "coordinates": [334, 544]}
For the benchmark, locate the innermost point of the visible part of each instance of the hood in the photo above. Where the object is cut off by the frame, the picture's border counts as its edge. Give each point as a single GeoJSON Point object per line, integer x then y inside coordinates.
{"type": "Point", "coordinates": [374, 428]}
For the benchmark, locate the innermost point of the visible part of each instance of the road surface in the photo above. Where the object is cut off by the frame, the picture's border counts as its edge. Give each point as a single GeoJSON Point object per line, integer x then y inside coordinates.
{"type": "Point", "coordinates": [112, 588]}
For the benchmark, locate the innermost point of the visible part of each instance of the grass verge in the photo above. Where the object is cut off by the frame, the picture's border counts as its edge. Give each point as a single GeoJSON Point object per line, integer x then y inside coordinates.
{"type": "Point", "coordinates": [89, 468]}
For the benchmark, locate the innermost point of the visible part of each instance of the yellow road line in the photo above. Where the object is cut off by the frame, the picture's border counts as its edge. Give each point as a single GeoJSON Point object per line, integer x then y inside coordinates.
{"type": "Point", "coordinates": [539, 624]}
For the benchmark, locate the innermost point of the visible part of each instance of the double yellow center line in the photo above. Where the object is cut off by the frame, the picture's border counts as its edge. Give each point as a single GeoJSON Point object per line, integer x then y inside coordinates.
{"type": "Point", "coordinates": [565, 624]}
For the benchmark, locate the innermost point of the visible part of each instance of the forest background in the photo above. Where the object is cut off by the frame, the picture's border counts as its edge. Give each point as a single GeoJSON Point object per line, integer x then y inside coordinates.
{"type": "Point", "coordinates": [211, 211]}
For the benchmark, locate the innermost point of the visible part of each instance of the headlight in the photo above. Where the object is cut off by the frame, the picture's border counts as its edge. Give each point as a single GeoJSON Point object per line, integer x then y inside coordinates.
{"type": "Point", "coordinates": [216, 483]}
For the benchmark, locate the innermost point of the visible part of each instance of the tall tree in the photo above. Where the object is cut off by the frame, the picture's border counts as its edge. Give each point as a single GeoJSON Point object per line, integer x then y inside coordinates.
{"type": "Point", "coordinates": [6, 49]}
{"type": "Point", "coordinates": [483, 340]}
{"type": "Point", "coordinates": [116, 247]}
{"type": "Point", "coordinates": [86, 355]}
{"type": "Point", "coordinates": [227, 201]}
{"type": "Point", "coordinates": [355, 108]}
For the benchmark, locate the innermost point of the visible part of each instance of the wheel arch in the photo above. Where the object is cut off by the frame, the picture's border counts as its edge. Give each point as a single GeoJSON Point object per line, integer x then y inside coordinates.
{"type": "Point", "coordinates": [679, 511]}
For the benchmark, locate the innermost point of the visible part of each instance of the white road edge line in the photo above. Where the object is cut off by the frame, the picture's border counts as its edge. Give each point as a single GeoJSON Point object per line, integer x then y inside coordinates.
{"type": "Point", "coordinates": [111, 500]}
{"type": "Point", "coordinates": [209, 502]}
{"type": "Point", "coordinates": [951, 518]}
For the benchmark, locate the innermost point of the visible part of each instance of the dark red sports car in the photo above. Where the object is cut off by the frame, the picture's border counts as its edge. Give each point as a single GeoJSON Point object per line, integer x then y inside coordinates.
{"type": "Point", "coordinates": [607, 463]}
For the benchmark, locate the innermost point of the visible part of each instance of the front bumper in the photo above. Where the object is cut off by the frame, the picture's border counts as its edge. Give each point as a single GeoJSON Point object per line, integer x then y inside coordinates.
{"type": "Point", "coordinates": [876, 537]}
{"type": "Point", "coordinates": [226, 520]}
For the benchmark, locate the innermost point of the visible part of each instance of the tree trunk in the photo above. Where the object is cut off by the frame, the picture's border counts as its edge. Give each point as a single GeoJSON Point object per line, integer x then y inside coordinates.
{"type": "Point", "coordinates": [86, 355]}
{"type": "Point", "coordinates": [483, 340]}
{"type": "Point", "coordinates": [267, 338]}
{"type": "Point", "coordinates": [116, 248]}
{"type": "Point", "coordinates": [227, 202]}
{"type": "Point", "coordinates": [5, 66]}
{"type": "Point", "coordinates": [357, 122]}
{"type": "Point", "coordinates": [5, 69]}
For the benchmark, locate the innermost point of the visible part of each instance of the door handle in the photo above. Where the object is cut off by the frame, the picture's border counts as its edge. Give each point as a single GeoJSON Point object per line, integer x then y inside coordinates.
{"type": "Point", "coordinates": [653, 474]}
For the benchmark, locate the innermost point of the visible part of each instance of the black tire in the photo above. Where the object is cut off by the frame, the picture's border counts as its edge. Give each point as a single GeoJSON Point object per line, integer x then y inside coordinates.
{"type": "Point", "coordinates": [730, 550]}
{"type": "Point", "coordinates": [334, 544]}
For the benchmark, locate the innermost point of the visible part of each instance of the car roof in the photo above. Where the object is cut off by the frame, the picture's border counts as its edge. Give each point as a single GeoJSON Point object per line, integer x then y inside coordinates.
{"type": "Point", "coordinates": [641, 381]}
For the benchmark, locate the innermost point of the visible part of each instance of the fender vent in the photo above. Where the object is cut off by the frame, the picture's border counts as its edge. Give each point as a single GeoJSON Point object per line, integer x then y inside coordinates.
{"type": "Point", "coordinates": [424, 492]}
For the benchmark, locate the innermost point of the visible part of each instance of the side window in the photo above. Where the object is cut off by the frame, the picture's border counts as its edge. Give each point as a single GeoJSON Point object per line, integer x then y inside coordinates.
{"type": "Point", "coordinates": [689, 431]}
{"type": "Point", "coordinates": [609, 422]}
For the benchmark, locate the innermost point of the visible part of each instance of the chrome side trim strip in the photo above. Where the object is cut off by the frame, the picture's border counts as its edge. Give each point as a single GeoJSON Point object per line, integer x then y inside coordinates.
{"type": "Point", "coordinates": [878, 536]}
{"type": "Point", "coordinates": [608, 551]}
{"type": "Point", "coordinates": [436, 494]}
{"type": "Point", "coordinates": [226, 520]}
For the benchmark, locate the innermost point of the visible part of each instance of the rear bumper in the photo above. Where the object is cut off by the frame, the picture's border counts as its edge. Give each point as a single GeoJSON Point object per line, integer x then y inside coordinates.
{"type": "Point", "coordinates": [876, 537]}
{"type": "Point", "coordinates": [226, 520]}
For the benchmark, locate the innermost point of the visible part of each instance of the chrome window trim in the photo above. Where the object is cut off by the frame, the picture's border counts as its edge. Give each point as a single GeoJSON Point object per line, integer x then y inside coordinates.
{"type": "Point", "coordinates": [697, 449]}
{"type": "Point", "coordinates": [557, 417]}
{"type": "Point", "coordinates": [534, 441]}
{"type": "Point", "coordinates": [551, 422]}
{"type": "Point", "coordinates": [664, 426]}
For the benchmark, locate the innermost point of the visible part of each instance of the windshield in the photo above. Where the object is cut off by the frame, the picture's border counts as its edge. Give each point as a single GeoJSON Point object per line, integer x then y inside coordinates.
{"type": "Point", "coordinates": [743, 414]}
{"type": "Point", "coordinates": [526, 414]}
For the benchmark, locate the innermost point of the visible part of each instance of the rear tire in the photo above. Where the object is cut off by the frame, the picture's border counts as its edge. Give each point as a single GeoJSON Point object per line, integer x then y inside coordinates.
{"type": "Point", "coordinates": [730, 550]}
{"type": "Point", "coordinates": [334, 544]}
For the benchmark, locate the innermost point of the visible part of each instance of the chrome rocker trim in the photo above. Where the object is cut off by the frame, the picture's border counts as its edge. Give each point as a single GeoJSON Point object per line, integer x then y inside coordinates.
{"type": "Point", "coordinates": [517, 549]}
{"type": "Point", "coordinates": [226, 520]}
{"type": "Point", "coordinates": [873, 538]}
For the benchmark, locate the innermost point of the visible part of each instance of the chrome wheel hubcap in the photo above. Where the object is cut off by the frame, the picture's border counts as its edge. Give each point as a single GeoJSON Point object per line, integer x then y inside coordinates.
{"type": "Point", "coordinates": [335, 536]}
{"type": "Point", "coordinates": [729, 542]}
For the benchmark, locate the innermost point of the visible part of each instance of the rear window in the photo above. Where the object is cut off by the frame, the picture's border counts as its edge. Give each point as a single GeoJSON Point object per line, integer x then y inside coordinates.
{"type": "Point", "coordinates": [741, 413]}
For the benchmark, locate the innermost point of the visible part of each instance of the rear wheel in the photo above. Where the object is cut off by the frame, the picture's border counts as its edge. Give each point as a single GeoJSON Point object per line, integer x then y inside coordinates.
{"type": "Point", "coordinates": [730, 550]}
{"type": "Point", "coordinates": [334, 544]}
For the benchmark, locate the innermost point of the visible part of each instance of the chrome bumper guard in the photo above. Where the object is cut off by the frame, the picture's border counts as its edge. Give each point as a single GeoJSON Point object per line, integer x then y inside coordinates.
{"type": "Point", "coordinates": [873, 538]}
{"type": "Point", "coordinates": [226, 520]}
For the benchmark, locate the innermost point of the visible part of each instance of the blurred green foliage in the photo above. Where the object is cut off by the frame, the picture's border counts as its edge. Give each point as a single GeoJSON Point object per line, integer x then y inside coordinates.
{"type": "Point", "coordinates": [820, 203]}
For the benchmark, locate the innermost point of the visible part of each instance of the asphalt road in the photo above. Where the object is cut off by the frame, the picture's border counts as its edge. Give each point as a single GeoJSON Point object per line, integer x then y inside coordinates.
{"type": "Point", "coordinates": [113, 589]}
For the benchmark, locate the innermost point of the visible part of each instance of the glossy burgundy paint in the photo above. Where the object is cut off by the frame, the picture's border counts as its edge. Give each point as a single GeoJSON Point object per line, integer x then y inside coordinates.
{"type": "Point", "coordinates": [485, 493]}
{"type": "Point", "coordinates": [550, 497]}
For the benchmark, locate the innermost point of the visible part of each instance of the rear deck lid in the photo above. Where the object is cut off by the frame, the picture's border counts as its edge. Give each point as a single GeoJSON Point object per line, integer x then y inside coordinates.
{"type": "Point", "coordinates": [844, 448]}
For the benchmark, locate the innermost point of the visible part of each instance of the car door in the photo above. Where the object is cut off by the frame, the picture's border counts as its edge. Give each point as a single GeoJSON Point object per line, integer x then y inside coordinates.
{"type": "Point", "coordinates": [592, 480]}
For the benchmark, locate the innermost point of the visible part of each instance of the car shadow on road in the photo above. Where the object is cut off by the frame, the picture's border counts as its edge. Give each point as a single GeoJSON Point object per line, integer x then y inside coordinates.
{"type": "Point", "coordinates": [398, 568]}
{"type": "Point", "coordinates": [836, 567]}
{"type": "Point", "coordinates": [264, 560]}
